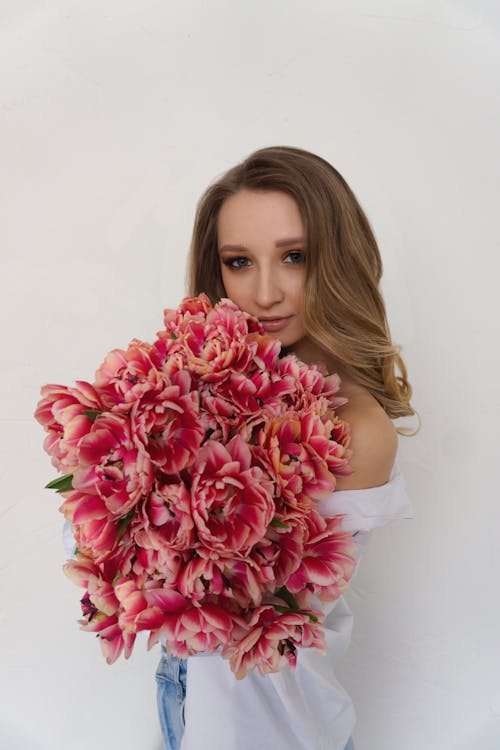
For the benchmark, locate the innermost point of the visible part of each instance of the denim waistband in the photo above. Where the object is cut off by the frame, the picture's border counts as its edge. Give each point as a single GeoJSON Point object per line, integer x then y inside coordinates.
{"type": "Point", "coordinates": [171, 667]}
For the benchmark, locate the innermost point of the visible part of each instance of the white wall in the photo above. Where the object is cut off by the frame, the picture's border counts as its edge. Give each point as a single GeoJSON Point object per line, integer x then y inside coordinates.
{"type": "Point", "coordinates": [114, 116]}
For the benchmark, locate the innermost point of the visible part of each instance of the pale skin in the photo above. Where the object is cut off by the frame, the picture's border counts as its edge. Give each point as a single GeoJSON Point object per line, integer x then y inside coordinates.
{"type": "Point", "coordinates": [262, 250]}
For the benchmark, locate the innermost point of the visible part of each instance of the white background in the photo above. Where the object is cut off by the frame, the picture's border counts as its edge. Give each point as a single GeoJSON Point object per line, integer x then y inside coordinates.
{"type": "Point", "coordinates": [114, 117]}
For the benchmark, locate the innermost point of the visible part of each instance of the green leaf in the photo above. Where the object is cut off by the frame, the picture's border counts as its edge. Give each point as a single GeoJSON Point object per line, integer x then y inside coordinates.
{"type": "Point", "coordinates": [173, 336]}
{"type": "Point", "coordinates": [116, 578]}
{"type": "Point", "coordinates": [123, 523]}
{"type": "Point", "coordinates": [61, 484]}
{"type": "Point", "coordinates": [278, 524]}
{"type": "Point", "coordinates": [284, 610]}
{"type": "Point", "coordinates": [310, 615]}
{"type": "Point", "coordinates": [92, 413]}
{"type": "Point", "coordinates": [77, 551]}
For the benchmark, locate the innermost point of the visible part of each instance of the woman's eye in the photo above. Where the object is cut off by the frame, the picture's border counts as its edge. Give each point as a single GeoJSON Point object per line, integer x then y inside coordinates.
{"type": "Point", "coordinates": [297, 256]}
{"type": "Point", "coordinates": [234, 262]}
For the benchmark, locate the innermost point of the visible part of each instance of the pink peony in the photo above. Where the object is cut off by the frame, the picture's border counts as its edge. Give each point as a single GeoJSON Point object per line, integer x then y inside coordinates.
{"type": "Point", "coordinates": [310, 383]}
{"type": "Point", "coordinates": [234, 583]}
{"type": "Point", "coordinates": [271, 640]}
{"type": "Point", "coordinates": [165, 517]}
{"type": "Point", "coordinates": [326, 565]}
{"type": "Point", "coordinates": [160, 562]}
{"type": "Point", "coordinates": [126, 374]}
{"type": "Point", "coordinates": [112, 638]}
{"type": "Point", "coordinates": [213, 342]}
{"type": "Point", "coordinates": [280, 551]}
{"type": "Point", "coordinates": [94, 531]}
{"type": "Point", "coordinates": [232, 501]}
{"type": "Point", "coordinates": [302, 456]}
{"type": "Point", "coordinates": [61, 411]}
{"type": "Point", "coordinates": [247, 581]}
{"type": "Point", "coordinates": [113, 465]}
{"type": "Point", "coordinates": [135, 612]}
{"type": "Point", "coordinates": [197, 630]}
{"type": "Point", "coordinates": [167, 422]}
{"type": "Point", "coordinates": [201, 576]}
{"type": "Point", "coordinates": [99, 608]}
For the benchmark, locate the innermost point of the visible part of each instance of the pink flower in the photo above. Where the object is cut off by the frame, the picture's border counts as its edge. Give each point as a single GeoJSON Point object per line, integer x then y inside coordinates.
{"type": "Point", "coordinates": [80, 507]}
{"type": "Point", "coordinates": [99, 608]}
{"type": "Point", "coordinates": [329, 436]}
{"type": "Point", "coordinates": [61, 411]}
{"type": "Point", "coordinates": [169, 346]}
{"type": "Point", "coordinates": [165, 518]}
{"type": "Point", "coordinates": [93, 527]}
{"type": "Point", "coordinates": [96, 537]}
{"type": "Point", "coordinates": [280, 551]}
{"type": "Point", "coordinates": [197, 629]}
{"type": "Point", "coordinates": [161, 529]}
{"type": "Point", "coordinates": [232, 501]}
{"type": "Point", "coordinates": [126, 374]}
{"type": "Point", "coordinates": [113, 465]}
{"type": "Point", "coordinates": [213, 342]}
{"type": "Point", "coordinates": [327, 564]}
{"type": "Point", "coordinates": [191, 308]}
{"type": "Point", "coordinates": [271, 640]}
{"type": "Point", "coordinates": [233, 583]}
{"type": "Point", "coordinates": [267, 351]}
{"type": "Point", "coordinates": [113, 640]}
{"type": "Point", "coordinates": [134, 609]}
{"type": "Point", "coordinates": [102, 595]}
{"type": "Point", "coordinates": [341, 434]}
{"type": "Point", "coordinates": [201, 576]}
{"type": "Point", "coordinates": [118, 561]}
{"type": "Point", "coordinates": [148, 606]}
{"type": "Point", "coordinates": [241, 394]}
{"type": "Point", "coordinates": [310, 383]}
{"type": "Point", "coordinates": [302, 456]}
{"type": "Point", "coordinates": [161, 564]}
{"type": "Point", "coordinates": [233, 396]}
{"type": "Point", "coordinates": [167, 422]}
{"type": "Point", "coordinates": [80, 570]}
{"type": "Point", "coordinates": [247, 581]}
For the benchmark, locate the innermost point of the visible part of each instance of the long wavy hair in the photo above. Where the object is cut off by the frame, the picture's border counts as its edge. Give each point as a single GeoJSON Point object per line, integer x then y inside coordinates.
{"type": "Point", "coordinates": [343, 309]}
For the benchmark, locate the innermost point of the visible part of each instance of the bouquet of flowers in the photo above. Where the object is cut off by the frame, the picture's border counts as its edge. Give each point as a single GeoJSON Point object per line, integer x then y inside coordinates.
{"type": "Point", "coordinates": [190, 470]}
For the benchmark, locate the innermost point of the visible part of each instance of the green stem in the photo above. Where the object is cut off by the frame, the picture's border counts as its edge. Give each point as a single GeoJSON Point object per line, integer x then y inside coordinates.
{"type": "Point", "coordinates": [287, 597]}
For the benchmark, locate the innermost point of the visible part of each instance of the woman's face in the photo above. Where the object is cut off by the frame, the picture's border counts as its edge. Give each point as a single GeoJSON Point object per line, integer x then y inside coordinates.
{"type": "Point", "coordinates": [261, 243]}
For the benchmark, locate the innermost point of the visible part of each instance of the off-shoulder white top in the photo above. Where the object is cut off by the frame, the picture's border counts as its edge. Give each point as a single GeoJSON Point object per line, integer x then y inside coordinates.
{"type": "Point", "coordinates": [303, 710]}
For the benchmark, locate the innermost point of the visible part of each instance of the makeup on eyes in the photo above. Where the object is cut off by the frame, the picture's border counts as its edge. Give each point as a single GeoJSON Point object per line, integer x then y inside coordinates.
{"type": "Point", "coordinates": [228, 261]}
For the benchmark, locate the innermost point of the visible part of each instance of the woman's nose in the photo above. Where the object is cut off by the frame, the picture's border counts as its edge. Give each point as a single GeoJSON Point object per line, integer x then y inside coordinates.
{"type": "Point", "coordinates": [268, 290]}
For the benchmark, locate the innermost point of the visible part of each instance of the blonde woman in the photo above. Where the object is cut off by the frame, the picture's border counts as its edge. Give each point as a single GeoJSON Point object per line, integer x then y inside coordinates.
{"type": "Point", "coordinates": [284, 237]}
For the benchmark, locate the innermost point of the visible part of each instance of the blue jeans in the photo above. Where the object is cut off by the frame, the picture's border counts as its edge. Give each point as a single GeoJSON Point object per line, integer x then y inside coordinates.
{"type": "Point", "coordinates": [171, 695]}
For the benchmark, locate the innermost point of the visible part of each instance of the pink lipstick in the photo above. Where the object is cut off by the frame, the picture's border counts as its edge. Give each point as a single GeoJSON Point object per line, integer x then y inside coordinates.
{"type": "Point", "coordinates": [274, 324]}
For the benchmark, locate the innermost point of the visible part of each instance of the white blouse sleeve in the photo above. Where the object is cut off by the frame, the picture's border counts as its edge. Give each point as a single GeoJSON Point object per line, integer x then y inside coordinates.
{"type": "Point", "coordinates": [371, 508]}
{"type": "Point", "coordinates": [68, 539]}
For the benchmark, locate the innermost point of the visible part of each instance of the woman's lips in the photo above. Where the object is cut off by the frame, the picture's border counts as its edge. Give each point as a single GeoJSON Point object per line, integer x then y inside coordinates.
{"type": "Point", "coordinates": [274, 324]}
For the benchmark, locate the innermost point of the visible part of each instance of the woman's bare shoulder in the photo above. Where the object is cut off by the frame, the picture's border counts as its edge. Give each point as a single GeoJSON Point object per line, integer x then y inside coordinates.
{"type": "Point", "coordinates": [374, 441]}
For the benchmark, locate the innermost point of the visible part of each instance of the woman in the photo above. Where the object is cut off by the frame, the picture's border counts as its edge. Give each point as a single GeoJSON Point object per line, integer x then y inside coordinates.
{"type": "Point", "coordinates": [283, 236]}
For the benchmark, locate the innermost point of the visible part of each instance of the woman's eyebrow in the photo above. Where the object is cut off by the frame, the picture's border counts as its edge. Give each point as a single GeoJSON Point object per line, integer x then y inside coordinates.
{"type": "Point", "coordinates": [292, 241]}
{"type": "Point", "coordinates": [279, 243]}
